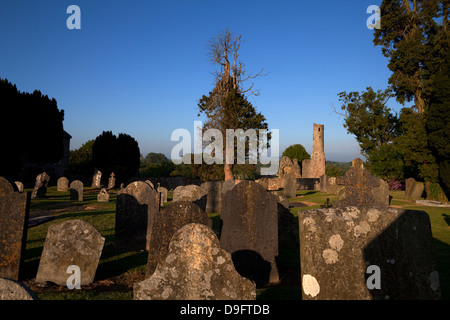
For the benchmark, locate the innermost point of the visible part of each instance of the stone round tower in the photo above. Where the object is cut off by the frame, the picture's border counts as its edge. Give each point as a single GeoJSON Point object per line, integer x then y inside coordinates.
{"type": "Point", "coordinates": [318, 154]}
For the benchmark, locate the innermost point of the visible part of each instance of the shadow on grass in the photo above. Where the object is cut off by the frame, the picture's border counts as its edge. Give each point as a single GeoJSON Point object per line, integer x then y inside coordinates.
{"type": "Point", "coordinates": [118, 262]}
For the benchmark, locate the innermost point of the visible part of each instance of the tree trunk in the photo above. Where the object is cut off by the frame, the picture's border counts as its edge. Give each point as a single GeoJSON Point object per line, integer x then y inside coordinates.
{"type": "Point", "coordinates": [228, 170]}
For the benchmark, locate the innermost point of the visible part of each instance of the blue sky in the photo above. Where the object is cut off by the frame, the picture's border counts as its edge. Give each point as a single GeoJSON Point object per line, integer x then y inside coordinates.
{"type": "Point", "coordinates": [139, 67]}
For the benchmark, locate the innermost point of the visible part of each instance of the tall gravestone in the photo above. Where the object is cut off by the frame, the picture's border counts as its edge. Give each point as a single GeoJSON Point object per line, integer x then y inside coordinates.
{"type": "Point", "coordinates": [163, 192]}
{"type": "Point", "coordinates": [62, 184]}
{"type": "Point", "coordinates": [195, 268]}
{"type": "Point", "coordinates": [213, 190]}
{"type": "Point", "coordinates": [413, 189]}
{"type": "Point", "coordinates": [76, 190]}
{"type": "Point", "coordinates": [351, 253]}
{"type": "Point", "coordinates": [112, 181]}
{"type": "Point", "coordinates": [361, 188]}
{"type": "Point", "coordinates": [97, 179]}
{"type": "Point", "coordinates": [250, 231]}
{"type": "Point", "coordinates": [290, 186]}
{"type": "Point", "coordinates": [14, 213]}
{"type": "Point", "coordinates": [136, 207]}
{"type": "Point", "coordinates": [40, 186]}
{"type": "Point", "coordinates": [166, 223]}
{"type": "Point", "coordinates": [72, 242]}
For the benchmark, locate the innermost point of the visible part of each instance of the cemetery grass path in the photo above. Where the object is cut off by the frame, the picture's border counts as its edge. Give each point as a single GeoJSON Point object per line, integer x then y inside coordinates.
{"type": "Point", "coordinates": [119, 270]}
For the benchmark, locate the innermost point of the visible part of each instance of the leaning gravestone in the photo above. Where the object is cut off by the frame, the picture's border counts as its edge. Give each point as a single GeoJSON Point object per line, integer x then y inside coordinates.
{"type": "Point", "coordinates": [40, 187]}
{"type": "Point", "coordinates": [76, 190]}
{"type": "Point", "coordinates": [14, 212]}
{"type": "Point", "coordinates": [13, 290]}
{"type": "Point", "coordinates": [290, 186]}
{"type": "Point", "coordinates": [414, 189]}
{"type": "Point", "coordinates": [103, 196]}
{"type": "Point", "coordinates": [19, 186]}
{"type": "Point", "coordinates": [351, 253]}
{"type": "Point", "coordinates": [250, 231]}
{"type": "Point", "coordinates": [96, 179]}
{"type": "Point", "coordinates": [72, 242]}
{"type": "Point", "coordinates": [136, 207]}
{"type": "Point", "coordinates": [62, 184]}
{"type": "Point", "coordinates": [195, 268]}
{"type": "Point", "coordinates": [361, 188]}
{"type": "Point", "coordinates": [112, 181]}
{"type": "Point", "coordinates": [166, 223]}
{"type": "Point", "coordinates": [192, 193]}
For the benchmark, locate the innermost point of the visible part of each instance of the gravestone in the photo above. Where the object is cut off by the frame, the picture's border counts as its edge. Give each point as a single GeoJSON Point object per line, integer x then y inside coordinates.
{"type": "Point", "coordinates": [112, 181]}
{"type": "Point", "coordinates": [19, 186]}
{"type": "Point", "coordinates": [341, 248]}
{"type": "Point", "coordinates": [97, 179]}
{"type": "Point", "coordinates": [250, 231]}
{"type": "Point", "coordinates": [166, 223]}
{"type": "Point", "coordinates": [103, 196]}
{"type": "Point", "coordinates": [290, 186]}
{"type": "Point", "coordinates": [195, 268]}
{"type": "Point", "coordinates": [72, 242]}
{"type": "Point", "coordinates": [192, 193]}
{"type": "Point", "coordinates": [14, 213]}
{"type": "Point", "coordinates": [324, 183]}
{"type": "Point", "coordinates": [213, 190]}
{"type": "Point", "coordinates": [361, 188]}
{"type": "Point", "coordinates": [413, 189]}
{"type": "Point", "coordinates": [287, 233]}
{"type": "Point", "coordinates": [163, 192]}
{"type": "Point", "coordinates": [76, 190]}
{"type": "Point", "coordinates": [14, 290]}
{"type": "Point", "coordinates": [62, 184]}
{"type": "Point", "coordinates": [150, 184]}
{"type": "Point", "coordinates": [40, 187]}
{"type": "Point", "coordinates": [136, 207]}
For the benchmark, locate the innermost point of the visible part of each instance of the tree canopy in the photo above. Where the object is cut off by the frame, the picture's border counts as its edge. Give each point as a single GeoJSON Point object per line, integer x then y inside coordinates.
{"type": "Point", "coordinates": [296, 151]}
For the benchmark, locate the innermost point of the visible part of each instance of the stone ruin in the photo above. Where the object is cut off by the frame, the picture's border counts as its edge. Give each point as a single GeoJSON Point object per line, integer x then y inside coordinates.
{"type": "Point", "coordinates": [288, 167]}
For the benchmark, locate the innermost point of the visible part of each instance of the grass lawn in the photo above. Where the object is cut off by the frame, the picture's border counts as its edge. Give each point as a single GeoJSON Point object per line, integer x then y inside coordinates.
{"type": "Point", "coordinates": [119, 270]}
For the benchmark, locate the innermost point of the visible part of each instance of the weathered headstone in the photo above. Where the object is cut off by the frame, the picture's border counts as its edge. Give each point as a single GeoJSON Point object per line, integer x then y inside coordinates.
{"type": "Point", "coordinates": [213, 189]}
{"type": "Point", "coordinates": [166, 223]}
{"type": "Point", "coordinates": [352, 253]}
{"type": "Point", "coordinates": [136, 207]}
{"type": "Point", "coordinates": [103, 196]}
{"type": "Point", "coordinates": [414, 189]}
{"type": "Point", "coordinates": [290, 187]}
{"type": "Point", "coordinates": [40, 187]}
{"type": "Point", "coordinates": [250, 231]}
{"type": "Point", "coordinates": [112, 181]}
{"type": "Point", "coordinates": [192, 193]}
{"type": "Point", "coordinates": [76, 190]}
{"type": "Point", "coordinates": [14, 290]}
{"type": "Point", "coordinates": [19, 186]}
{"type": "Point", "coordinates": [62, 184]}
{"type": "Point", "coordinates": [14, 213]}
{"type": "Point", "coordinates": [163, 192]}
{"type": "Point", "coordinates": [361, 188]}
{"type": "Point", "coordinates": [97, 179]}
{"type": "Point", "coordinates": [195, 268]}
{"type": "Point", "coordinates": [72, 242]}
{"type": "Point", "coordinates": [324, 183]}
{"type": "Point", "coordinates": [150, 184]}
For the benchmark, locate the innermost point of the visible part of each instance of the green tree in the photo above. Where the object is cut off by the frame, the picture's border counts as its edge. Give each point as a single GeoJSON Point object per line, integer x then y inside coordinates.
{"type": "Point", "coordinates": [332, 170]}
{"type": "Point", "coordinates": [226, 106]}
{"type": "Point", "coordinates": [31, 130]}
{"type": "Point", "coordinates": [296, 151]}
{"type": "Point", "coordinates": [80, 160]}
{"type": "Point", "coordinates": [119, 154]}
{"type": "Point", "coordinates": [412, 36]}
{"type": "Point", "coordinates": [375, 127]}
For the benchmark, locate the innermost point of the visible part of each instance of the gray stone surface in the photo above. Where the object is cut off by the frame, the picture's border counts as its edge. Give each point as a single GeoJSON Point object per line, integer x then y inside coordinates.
{"type": "Point", "coordinates": [103, 195]}
{"type": "Point", "coordinates": [97, 179]}
{"type": "Point", "coordinates": [163, 192]}
{"type": "Point", "coordinates": [166, 223]}
{"type": "Point", "coordinates": [76, 190]}
{"type": "Point", "coordinates": [40, 187]}
{"type": "Point", "coordinates": [250, 231]}
{"type": "Point", "coordinates": [290, 186]}
{"type": "Point", "coordinates": [339, 244]}
{"type": "Point", "coordinates": [195, 268]}
{"type": "Point", "coordinates": [72, 242]}
{"type": "Point", "coordinates": [413, 189]}
{"type": "Point", "coordinates": [14, 213]}
{"type": "Point", "coordinates": [14, 290]}
{"type": "Point", "coordinates": [361, 188]}
{"type": "Point", "coordinates": [62, 184]}
{"type": "Point", "coordinates": [289, 167]}
{"type": "Point", "coordinates": [213, 190]}
{"type": "Point", "coordinates": [192, 193]}
{"type": "Point", "coordinates": [136, 207]}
